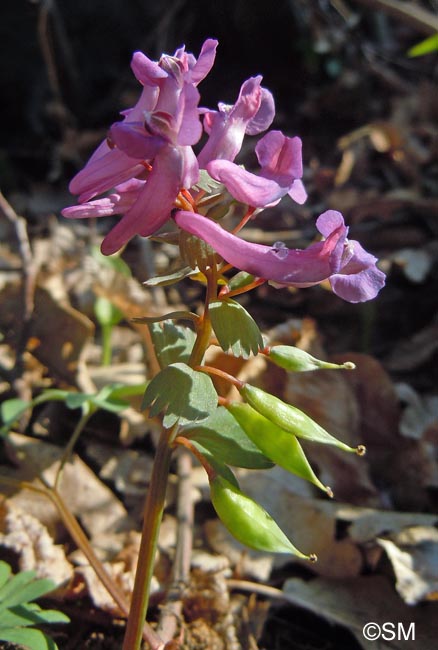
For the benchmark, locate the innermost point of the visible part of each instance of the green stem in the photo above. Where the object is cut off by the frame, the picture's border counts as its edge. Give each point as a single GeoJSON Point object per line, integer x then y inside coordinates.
{"type": "Point", "coordinates": [153, 514]}
{"type": "Point", "coordinates": [204, 328]}
{"type": "Point", "coordinates": [107, 351]}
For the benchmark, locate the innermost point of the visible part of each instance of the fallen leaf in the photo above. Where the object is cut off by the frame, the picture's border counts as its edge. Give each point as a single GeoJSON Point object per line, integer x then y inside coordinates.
{"type": "Point", "coordinates": [413, 554]}
{"type": "Point", "coordinates": [354, 603]}
{"type": "Point", "coordinates": [36, 549]}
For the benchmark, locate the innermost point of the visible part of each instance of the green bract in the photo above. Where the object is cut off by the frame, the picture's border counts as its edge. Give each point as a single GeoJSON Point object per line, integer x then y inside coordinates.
{"type": "Point", "coordinates": [291, 358]}
{"type": "Point", "coordinates": [184, 394]}
{"type": "Point", "coordinates": [240, 280]}
{"type": "Point", "coordinates": [247, 521]}
{"type": "Point", "coordinates": [172, 343]}
{"type": "Point", "coordinates": [289, 417]}
{"type": "Point", "coordinates": [226, 440]}
{"type": "Point", "coordinates": [235, 329]}
{"type": "Point", "coordinates": [277, 444]}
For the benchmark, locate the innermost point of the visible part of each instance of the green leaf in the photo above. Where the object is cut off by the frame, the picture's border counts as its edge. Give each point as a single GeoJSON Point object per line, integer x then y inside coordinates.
{"type": "Point", "coordinates": [277, 444]}
{"type": "Point", "coordinates": [14, 584]}
{"type": "Point", "coordinates": [26, 615]}
{"type": "Point", "coordinates": [184, 394]}
{"type": "Point", "coordinates": [107, 400]}
{"type": "Point", "coordinates": [290, 418]}
{"type": "Point", "coordinates": [428, 46]}
{"type": "Point", "coordinates": [101, 400]}
{"type": "Point", "coordinates": [11, 409]}
{"type": "Point", "coordinates": [235, 329]}
{"type": "Point", "coordinates": [219, 467]}
{"type": "Point", "coordinates": [5, 572]}
{"type": "Point", "coordinates": [17, 613]}
{"type": "Point", "coordinates": [23, 588]}
{"type": "Point", "coordinates": [111, 262]}
{"type": "Point", "coordinates": [29, 638]}
{"type": "Point", "coordinates": [76, 400]}
{"type": "Point", "coordinates": [173, 343]}
{"type": "Point", "coordinates": [170, 278]}
{"type": "Point", "coordinates": [106, 313]}
{"type": "Point", "coordinates": [226, 440]}
{"type": "Point", "coordinates": [247, 521]}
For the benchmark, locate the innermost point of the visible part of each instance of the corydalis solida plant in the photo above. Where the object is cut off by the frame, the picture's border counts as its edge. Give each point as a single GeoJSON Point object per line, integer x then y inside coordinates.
{"type": "Point", "coordinates": [152, 174]}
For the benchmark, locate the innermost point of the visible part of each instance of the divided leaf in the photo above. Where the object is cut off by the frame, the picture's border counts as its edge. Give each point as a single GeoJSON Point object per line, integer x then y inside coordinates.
{"type": "Point", "coordinates": [222, 435]}
{"type": "Point", "coordinates": [18, 613]}
{"type": "Point", "coordinates": [173, 343]}
{"type": "Point", "coordinates": [184, 394]}
{"type": "Point", "coordinates": [235, 329]}
{"type": "Point", "coordinates": [170, 278]}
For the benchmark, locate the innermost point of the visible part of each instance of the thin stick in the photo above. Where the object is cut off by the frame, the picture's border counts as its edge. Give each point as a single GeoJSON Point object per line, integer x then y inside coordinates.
{"type": "Point", "coordinates": [410, 13]}
{"type": "Point", "coordinates": [29, 284]}
{"type": "Point", "coordinates": [81, 540]}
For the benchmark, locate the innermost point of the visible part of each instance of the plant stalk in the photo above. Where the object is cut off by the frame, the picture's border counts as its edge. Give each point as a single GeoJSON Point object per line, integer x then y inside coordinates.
{"type": "Point", "coordinates": [153, 514]}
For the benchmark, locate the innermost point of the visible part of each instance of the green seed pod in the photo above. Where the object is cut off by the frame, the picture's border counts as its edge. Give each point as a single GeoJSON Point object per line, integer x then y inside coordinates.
{"type": "Point", "coordinates": [247, 521]}
{"type": "Point", "coordinates": [296, 360]}
{"type": "Point", "coordinates": [276, 444]}
{"type": "Point", "coordinates": [291, 419]}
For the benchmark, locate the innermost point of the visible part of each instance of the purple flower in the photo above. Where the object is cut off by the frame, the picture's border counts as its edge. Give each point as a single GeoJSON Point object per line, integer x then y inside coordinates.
{"type": "Point", "coordinates": [161, 127]}
{"type": "Point", "coordinates": [252, 113]}
{"type": "Point", "coordinates": [281, 170]}
{"type": "Point", "coordinates": [352, 271]}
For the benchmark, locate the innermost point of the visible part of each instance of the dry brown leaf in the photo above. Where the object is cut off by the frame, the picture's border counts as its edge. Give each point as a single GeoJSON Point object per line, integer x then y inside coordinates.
{"type": "Point", "coordinates": [30, 539]}
{"type": "Point", "coordinates": [353, 603]}
{"type": "Point", "coordinates": [412, 353]}
{"type": "Point", "coordinates": [413, 554]}
{"type": "Point", "coordinates": [86, 496]}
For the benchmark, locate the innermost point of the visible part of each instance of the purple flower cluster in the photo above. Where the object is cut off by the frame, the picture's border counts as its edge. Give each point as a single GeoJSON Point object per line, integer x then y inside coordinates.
{"type": "Point", "coordinates": [149, 164]}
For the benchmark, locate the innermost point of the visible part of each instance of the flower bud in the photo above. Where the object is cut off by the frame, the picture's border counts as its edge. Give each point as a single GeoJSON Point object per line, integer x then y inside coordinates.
{"type": "Point", "coordinates": [290, 418]}
{"type": "Point", "coordinates": [247, 521]}
{"type": "Point", "coordinates": [296, 360]}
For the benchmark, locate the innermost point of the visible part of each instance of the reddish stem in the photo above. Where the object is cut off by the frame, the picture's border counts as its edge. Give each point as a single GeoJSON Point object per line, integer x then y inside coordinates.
{"type": "Point", "coordinates": [221, 373]}
{"type": "Point", "coordinates": [244, 220]}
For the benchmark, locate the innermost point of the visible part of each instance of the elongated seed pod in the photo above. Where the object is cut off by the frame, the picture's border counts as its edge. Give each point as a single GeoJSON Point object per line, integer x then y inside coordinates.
{"type": "Point", "coordinates": [247, 521]}
{"type": "Point", "coordinates": [290, 418]}
{"type": "Point", "coordinates": [278, 445]}
{"type": "Point", "coordinates": [296, 360]}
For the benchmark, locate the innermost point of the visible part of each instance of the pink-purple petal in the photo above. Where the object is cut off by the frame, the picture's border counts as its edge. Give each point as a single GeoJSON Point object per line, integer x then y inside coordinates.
{"type": "Point", "coordinates": [205, 61]}
{"type": "Point", "coordinates": [154, 203]}
{"type": "Point", "coordinates": [285, 266]}
{"type": "Point", "coordinates": [264, 117]}
{"type": "Point", "coordinates": [132, 139]}
{"type": "Point", "coordinates": [244, 186]}
{"type": "Point", "coordinates": [280, 155]}
{"type": "Point", "coordinates": [147, 72]}
{"type": "Point", "coordinates": [102, 173]}
{"type": "Point", "coordinates": [298, 192]}
{"type": "Point", "coordinates": [356, 281]}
